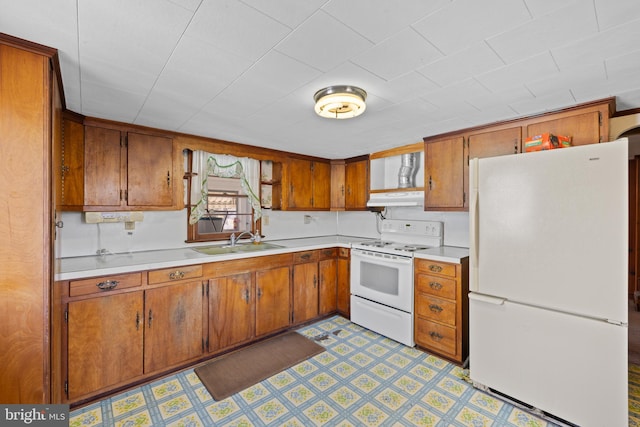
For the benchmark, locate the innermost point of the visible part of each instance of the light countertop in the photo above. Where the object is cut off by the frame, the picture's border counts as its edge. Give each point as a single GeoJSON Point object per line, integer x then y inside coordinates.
{"type": "Point", "coordinates": [89, 266]}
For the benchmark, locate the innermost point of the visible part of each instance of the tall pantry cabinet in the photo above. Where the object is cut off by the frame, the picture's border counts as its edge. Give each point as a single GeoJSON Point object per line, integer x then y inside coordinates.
{"type": "Point", "coordinates": [30, 124]}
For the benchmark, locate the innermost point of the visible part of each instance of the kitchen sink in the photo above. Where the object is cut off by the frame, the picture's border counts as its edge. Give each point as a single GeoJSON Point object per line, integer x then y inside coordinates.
{"type": "Point", "coordinates": [239, 248]}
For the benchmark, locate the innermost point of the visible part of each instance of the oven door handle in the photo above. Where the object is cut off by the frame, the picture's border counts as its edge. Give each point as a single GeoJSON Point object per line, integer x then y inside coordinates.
{"type": "Point", "coordinates": [383, 258]}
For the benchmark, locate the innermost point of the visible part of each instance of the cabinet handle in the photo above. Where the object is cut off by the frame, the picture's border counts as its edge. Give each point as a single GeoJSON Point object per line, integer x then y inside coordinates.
{"type": "Point", "coordinates": [435, 268]}
{"type": "Point", "coordinates": [435, 336]}
{"type": "Point", "coordinates": [435, 308]}
{"type": "Point", "coordinates": [176, 275]}
{"type": "Point", "coordinates": [342, 189]}
{"type": "Point", "coordinates": [137, 320]}
{"type": "Point", "coordinates": [435, 286]}
{"type": "Point", "coordinates": [305, 256]}
{"type": "Point", "coordinates": [430, 184]}
{"type": "Point", "coordinates": [315, 281]}
{"type": "Point", "coordinates": [150, 318]}
{"type": "Point", "coordinates": [168, 179]}
{"type": "Point", "coordinates": [107, 285]}
{"type": "Point", "coordinates": [259, 293]}
{"type": "Point", "coordinates": [246, 295]}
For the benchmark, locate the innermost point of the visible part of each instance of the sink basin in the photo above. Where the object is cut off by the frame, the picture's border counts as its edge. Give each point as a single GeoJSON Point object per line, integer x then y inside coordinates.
{"type": "Point", "coordinates": [239, 248]}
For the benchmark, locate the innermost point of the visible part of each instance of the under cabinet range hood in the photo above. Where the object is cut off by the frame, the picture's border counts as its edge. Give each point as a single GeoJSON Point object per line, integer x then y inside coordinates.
{"type": "Point", "coordinates": [396, 198]}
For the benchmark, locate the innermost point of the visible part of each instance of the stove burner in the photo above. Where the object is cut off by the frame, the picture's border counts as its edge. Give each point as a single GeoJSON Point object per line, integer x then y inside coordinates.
{"type": "Point", "coordinates": [397, 246]}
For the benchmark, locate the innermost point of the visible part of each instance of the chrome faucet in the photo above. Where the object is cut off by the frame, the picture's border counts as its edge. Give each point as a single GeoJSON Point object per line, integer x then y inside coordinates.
{"type": "Point", "coordinates": [234, 239]}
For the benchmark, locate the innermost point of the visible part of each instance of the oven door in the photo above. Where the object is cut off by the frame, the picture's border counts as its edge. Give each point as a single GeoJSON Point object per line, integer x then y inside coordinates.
{"type": "Point", "coordinates": [383, 278]}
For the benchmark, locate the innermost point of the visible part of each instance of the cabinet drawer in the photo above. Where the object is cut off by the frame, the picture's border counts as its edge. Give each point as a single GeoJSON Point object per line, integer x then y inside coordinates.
{"type": "Point", "coordinates": [328, 253]}
{"type": "Point", "coordinates": [436, 309]}
{"type": "Point", "coordinates": [435, 285]}
{"type": "Point", "coordinates": [306, 256]}
{"type": "Point", "coordinates": [436, 267]}
{"type": "Point", "coordinates": [177, 273]}
{"type": "Point", "coordinates": [344, 252]}
{"type": "Point", "coordinates": [435, 336]}
{"type": "Point", "coordinates": [104, 284]}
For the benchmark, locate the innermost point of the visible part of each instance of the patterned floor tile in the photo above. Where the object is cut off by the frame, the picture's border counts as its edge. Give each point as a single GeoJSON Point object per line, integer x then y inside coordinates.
{"type": "Point", "coordinates": [363, 379]}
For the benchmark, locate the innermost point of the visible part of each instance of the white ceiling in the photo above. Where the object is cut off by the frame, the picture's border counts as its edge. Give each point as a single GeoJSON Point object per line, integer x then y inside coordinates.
{"type": "Point", "coordinates": [246, 70]}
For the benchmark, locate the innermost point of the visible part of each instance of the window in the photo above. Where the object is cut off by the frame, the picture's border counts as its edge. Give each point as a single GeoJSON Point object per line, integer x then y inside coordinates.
{"type": "Point", "coordinates": [229, 205]}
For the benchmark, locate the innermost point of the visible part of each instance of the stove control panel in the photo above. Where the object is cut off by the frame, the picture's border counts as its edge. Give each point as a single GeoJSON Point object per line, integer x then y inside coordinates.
{"type": "Point", "coordinates": [413, 227]}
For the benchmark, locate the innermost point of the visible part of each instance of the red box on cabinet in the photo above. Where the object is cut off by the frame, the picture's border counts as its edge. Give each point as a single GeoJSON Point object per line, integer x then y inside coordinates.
{"type": "Point", "coordinates": [546, 141]}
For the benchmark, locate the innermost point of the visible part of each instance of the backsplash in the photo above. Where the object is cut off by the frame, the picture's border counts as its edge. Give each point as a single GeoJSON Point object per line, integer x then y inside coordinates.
{"type": "Point", "coordinates": [168, 229]}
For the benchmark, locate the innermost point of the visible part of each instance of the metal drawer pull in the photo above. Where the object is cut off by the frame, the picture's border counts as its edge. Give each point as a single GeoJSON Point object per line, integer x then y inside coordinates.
{"type": "Point", "coordinates": [435, 308]}
{"type": "Point", "coordinates": [150, 318]}
{"type": "Point", "coordinates": [435, 286]}
{"type": "Point", "coordinates": [435, 336]}
{"type": "Point", "coordinates": [245, 295]}
{"type": "Point", "coordinates": [137, 320]}
{"type": "Point", "coordinates": [259, 293]}
{"type": "Point", "coordinates": [305, 256]}
{"type": "Point", "coordinates": [435, 268]}
{"type": "Point", "coordinates": [107, 285]}
{"type": "Point", "coordinates": [176, 275]}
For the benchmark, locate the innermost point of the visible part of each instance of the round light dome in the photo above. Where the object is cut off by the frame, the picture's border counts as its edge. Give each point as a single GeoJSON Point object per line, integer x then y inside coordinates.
{"type": "Point", "coordinates": [340, 102]}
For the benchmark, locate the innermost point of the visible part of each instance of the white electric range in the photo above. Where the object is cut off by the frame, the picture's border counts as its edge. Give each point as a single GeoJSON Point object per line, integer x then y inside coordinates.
{"type": "Point", "coordinates": [382, 276]}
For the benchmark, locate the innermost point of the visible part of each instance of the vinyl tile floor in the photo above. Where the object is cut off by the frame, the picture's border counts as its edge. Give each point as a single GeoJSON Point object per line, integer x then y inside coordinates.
{"type": "Point", "coordinates": [363, 379]}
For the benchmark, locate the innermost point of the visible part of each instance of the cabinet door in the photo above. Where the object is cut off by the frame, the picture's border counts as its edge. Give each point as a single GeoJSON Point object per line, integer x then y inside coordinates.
{"type": "Point", "coordinates": [104, 342]}
{"type": "Point", "coordinates": [273, 300]}
{"type": "Point", "coordinates": [305, 292]}
{"type": "Point", "coordinates": [582, 128]}
{"type": "Point", "coordinates": [321, 185]}
{"type": "Point", "coordinates": [328, 291]}
{"type": "Point", "coordinates": [491, 144]}
{"type": "Point", "coordinates": [338, 186]}
{"type": "Point", "coordinates": [344, 290]}
{"type": "Point", "coordinates": [173, 325]}
{"type": "Point", "coordinates": [103, 161]}
{"type": "Point", "coordinates": [444, 174]}
{"type": "Point", "coordinates": [149, 170]}
{"type": "Point", "coordinates": [356, 183]}
{"type": "Point", "coordinates": [231, 303]}
{"type": "Point", "coordinates": [301, 184]}
{"type": "Point", "coordinates": [71, 186]}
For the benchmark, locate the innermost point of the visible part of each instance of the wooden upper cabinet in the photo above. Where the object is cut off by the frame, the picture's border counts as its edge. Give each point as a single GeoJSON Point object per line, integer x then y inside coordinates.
{"type": "Point", "coordinates": [582, 128]}
{"type": "Point", "coordinates": [103, 162]}
{"type": "Point", "coordinates": [70, 183]}
{"type": "Point", "coordinates": [149, 170]}
{"type": "Point", "coordinates": [308, 185]}
{"type": "Point", "coordinates": [127, 170]}
{"type": "Point", "coordinates": [444, 174]}
{"type": "Point", "coordinates": [350, 184]}
{"type": "Point", "coordinates": [356, 184]}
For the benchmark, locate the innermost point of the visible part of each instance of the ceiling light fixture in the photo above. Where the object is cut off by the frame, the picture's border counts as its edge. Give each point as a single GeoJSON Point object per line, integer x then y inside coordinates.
{"type": "Point", "coordinates": [340, 102]}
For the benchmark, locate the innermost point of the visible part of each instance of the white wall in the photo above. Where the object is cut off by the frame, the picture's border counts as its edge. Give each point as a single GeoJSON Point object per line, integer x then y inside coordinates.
{"type": "Point", "coordinates": [168, 229]}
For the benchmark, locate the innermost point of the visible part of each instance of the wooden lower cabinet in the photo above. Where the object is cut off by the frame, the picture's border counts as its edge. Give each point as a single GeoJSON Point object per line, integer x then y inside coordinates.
{"type": "Point", "coordinates": [173, 331]}
{"type": "Point", "coordinates": [273, 300]}
{"type": "Point", "coordinates": [315, 284]}
{"type": "Point", "coordinates": [305, 291]}
{"type": "Point", "coordinates": [328, 289]}
{"type": "Point", "coordinates": [441, 308]}
{"type": "Point", "coordinates": [343, 282]}
{"type": "Point", "coordinates": [230, 311]}
{"type": "Point", "coordinates": [105, 342]}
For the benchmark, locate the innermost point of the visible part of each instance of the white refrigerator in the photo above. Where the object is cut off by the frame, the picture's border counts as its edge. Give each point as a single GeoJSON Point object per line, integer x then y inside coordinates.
{"type": "Point", "coordinates": [548, 281]}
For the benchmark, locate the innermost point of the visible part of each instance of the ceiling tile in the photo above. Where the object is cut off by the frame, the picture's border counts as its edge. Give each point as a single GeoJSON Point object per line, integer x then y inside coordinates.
{"type": "Point", "coordinates": [518, 73]}
{"type": "Point", "coordinates": [559, 99]}
{"type": "Point", "coordinates": [564, 26]}
{"type": "Point", "coordinates": [236, 27]}
{"type": "Point", "coordinates": [124, 106]}
{"type": "Point", "coordinates": [143, 33]}
{"type": "Point", "coordinates": [465, 22]}
{"type": "Point", "coordinates": [544, 7]}
{"type": "Point", "coordinates": [398, 55]}
{"type": "Point", "coordinates": [597, 47]}
{"type": "Point", "coordinates": [614, 13]}
{"type": "Point", "coordinates": [476, 59]}
{"type": "Point", "coordinates": [289, 12]}
{"type": "Point", "coordinates": [384, 18]}
{"type": "Point", "coordinates": [624, 67]}
{"type": "Point", "coordinates": [323, 42]}
{"type": "Point", "coordinates": [407, 86]}
{"type": "Point", "coordinates": [568, 79]}
{"type": "Point", "coordinates": [501, 98]}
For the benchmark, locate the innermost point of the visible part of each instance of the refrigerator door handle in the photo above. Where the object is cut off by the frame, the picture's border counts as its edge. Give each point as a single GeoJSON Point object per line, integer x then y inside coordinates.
{"type": "Point", "coordinates": [486, 299]}
{"type": "Point", "coordinates": [473, 224]}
